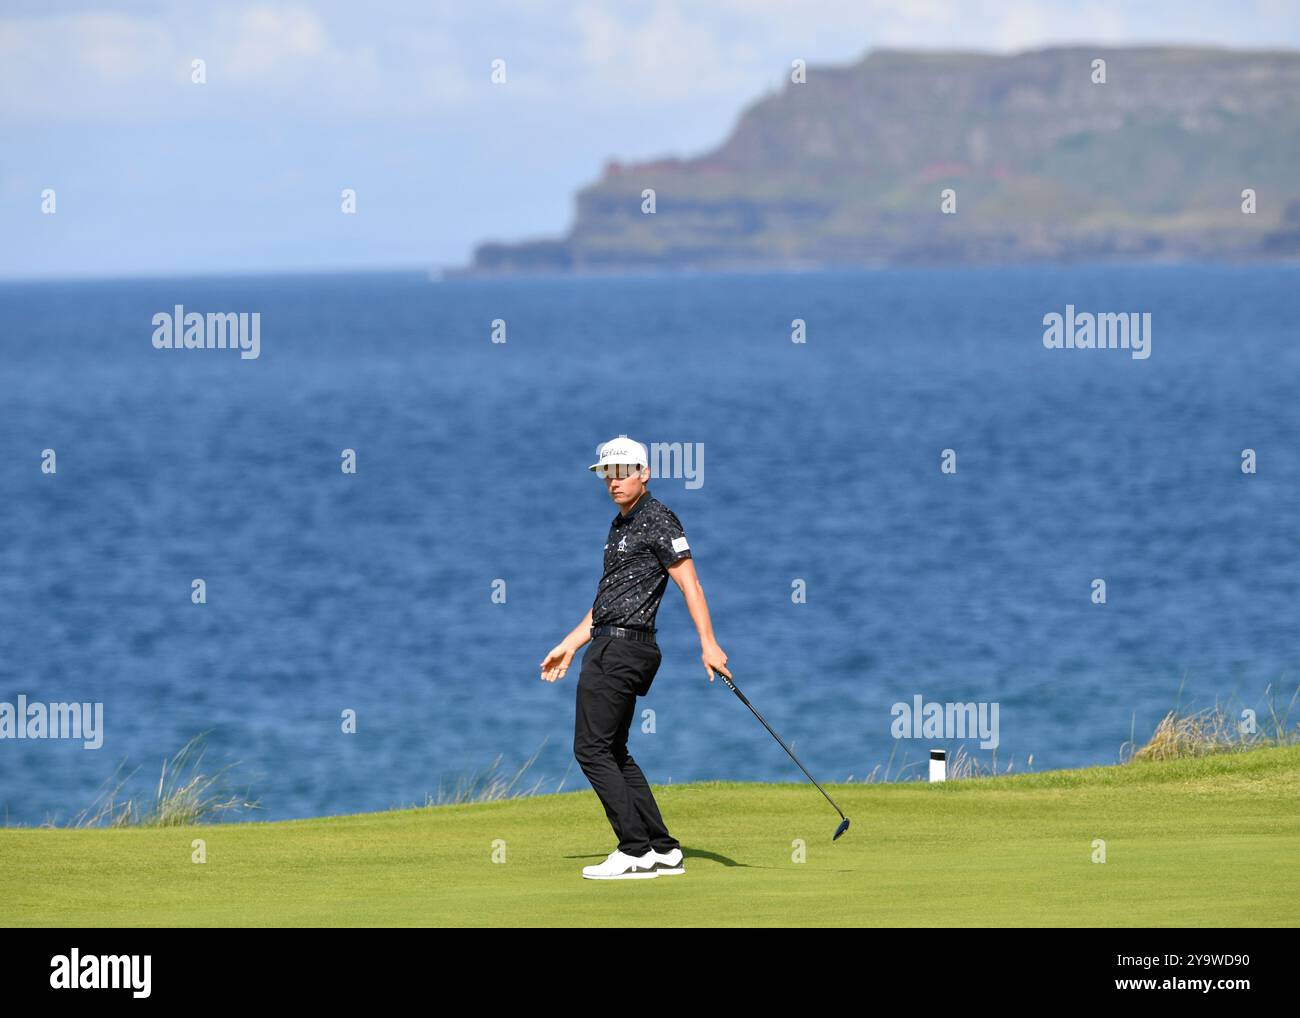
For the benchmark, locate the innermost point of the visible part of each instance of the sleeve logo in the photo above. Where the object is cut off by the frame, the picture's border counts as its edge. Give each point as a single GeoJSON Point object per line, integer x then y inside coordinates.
{"type": "Point", "coordinates": [679, 544]}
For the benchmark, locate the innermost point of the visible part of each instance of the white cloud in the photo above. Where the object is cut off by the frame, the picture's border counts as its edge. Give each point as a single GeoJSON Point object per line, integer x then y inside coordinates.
{"type": "Point", "coordinates": [270, 37]}
{"type": "Point", "coordinates": [108, 44]}
{"type": "Point", "coordinates": [136, 67]}
{"type": "Point", "coordinates": [45, 61]}
{"type": "Point", "coordinates": [666, 52]}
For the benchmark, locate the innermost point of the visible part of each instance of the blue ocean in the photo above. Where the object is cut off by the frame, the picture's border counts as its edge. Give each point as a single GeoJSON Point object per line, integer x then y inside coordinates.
{"type": "Point", "coordinates": [845, 569]}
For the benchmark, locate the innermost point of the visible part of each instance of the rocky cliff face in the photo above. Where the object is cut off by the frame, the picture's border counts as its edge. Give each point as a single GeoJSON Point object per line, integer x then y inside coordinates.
{"type": "Point", "coordinates": [849, 168]}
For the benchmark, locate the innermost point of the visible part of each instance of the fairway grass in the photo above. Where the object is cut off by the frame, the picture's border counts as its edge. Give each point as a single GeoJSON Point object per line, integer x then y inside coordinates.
{"type": "Point", "coordinates": [1209, 841]}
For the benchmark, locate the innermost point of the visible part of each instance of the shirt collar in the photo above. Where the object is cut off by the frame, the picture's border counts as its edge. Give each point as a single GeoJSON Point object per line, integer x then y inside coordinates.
{"type": "Point", "coordinates": [619, 518]}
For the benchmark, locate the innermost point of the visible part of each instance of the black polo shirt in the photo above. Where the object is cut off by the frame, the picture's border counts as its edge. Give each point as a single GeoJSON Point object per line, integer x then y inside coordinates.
{"type": "Point", "coordinates": [640, 548]}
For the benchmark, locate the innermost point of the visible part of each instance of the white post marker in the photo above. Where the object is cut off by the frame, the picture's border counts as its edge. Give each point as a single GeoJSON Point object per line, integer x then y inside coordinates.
{"type": "Point", "coordinates": [938, 765]}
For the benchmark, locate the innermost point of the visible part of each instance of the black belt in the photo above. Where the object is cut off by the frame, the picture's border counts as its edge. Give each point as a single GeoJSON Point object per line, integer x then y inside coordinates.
{"type": "Point", "coordinates": [628, 634]}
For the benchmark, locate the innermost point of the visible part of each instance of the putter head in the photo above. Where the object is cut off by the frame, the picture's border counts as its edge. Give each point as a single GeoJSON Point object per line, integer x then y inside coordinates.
{"type": "Point", "coordinates": [844, 826]}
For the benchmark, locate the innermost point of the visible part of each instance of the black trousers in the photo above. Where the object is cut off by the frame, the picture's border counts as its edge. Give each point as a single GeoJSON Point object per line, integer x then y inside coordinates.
{"type": "Point", "coordinates": [615, 671]}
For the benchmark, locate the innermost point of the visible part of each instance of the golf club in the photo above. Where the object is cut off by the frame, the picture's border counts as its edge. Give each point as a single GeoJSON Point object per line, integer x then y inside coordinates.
{"type": "Point", "coordinates": [844, 821]}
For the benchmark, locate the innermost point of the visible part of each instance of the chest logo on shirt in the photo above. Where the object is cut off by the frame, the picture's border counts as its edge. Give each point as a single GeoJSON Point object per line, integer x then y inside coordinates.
{"type": "Point", "coordinates": [622, 544]}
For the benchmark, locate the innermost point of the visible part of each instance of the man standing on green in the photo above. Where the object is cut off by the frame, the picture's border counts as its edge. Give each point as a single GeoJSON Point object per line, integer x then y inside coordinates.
{"type": "Point", "coordinates": [645, 546]}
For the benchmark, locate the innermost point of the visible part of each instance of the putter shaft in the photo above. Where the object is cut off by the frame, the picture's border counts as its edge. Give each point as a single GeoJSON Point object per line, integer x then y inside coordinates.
{"type": "Point", "coordinates": [778, 738]}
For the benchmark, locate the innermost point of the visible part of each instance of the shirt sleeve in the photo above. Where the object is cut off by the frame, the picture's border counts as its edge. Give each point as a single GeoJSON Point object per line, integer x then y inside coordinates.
{"type": "Point", "coordinates": [667, 539]}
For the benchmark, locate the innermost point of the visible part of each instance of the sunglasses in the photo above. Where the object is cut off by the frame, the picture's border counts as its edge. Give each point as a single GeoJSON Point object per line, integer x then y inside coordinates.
{"type": "Point", "coordinates": [618, 471]}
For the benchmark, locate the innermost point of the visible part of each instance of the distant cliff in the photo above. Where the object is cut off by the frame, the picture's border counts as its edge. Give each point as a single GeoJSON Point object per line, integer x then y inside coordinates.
{"type": "Point", "coordinates": [848, 168]}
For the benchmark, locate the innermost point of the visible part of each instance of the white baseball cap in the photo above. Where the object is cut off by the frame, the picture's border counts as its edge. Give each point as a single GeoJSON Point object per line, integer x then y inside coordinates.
{"type": "Point", "coordinates": [620, 450]}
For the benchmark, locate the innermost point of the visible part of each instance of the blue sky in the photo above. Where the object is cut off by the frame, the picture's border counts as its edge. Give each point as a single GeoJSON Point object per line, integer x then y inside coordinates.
{"type": "Point", "coordinates": [157, 175]}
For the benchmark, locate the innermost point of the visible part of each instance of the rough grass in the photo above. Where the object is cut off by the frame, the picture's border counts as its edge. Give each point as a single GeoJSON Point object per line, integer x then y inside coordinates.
{"type": "Point", "coordinates": [198, 797]}
{"type": "Point", "coordinates": [178, 799]}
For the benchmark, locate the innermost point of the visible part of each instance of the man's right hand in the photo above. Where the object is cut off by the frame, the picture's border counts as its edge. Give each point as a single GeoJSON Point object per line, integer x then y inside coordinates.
{"type": "Point", "coordinates": [556, 663]}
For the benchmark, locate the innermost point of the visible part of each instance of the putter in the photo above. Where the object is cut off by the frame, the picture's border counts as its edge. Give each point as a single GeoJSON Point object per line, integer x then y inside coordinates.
{"type": "Point", "coordinates": [844, 821]}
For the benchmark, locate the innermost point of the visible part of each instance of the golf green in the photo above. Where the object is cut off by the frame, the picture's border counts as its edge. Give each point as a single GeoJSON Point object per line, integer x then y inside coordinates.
{"type": "Point", "coordinates": [1209, 841]}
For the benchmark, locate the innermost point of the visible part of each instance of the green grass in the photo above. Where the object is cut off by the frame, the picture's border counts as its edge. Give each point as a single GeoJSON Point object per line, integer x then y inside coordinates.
{"type": "Point", "coordinates": [1194, 841]}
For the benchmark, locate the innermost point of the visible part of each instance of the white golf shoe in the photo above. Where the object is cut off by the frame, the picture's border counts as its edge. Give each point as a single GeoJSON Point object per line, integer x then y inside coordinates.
{"type": "Point", "coordinates": [667, 863]}
{"type": "Point", "coordinates": [618, 866]}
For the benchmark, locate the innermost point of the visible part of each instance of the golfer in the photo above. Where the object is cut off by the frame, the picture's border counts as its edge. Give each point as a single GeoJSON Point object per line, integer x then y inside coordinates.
{"type": "Point", "coordinates": [645, 546]}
